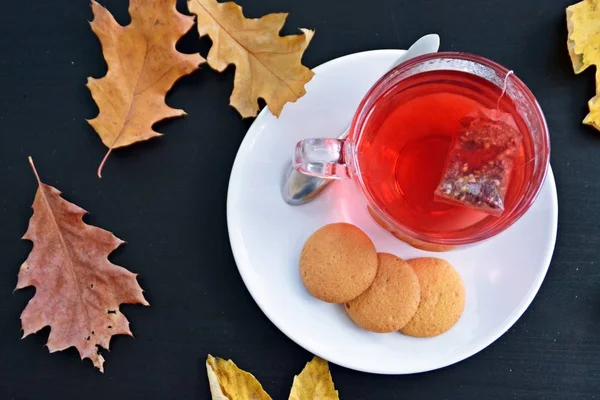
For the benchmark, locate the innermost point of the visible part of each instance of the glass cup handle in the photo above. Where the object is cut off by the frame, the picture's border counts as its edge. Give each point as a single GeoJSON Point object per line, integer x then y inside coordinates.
{"type": "Point", "coordinates": [323, 158]}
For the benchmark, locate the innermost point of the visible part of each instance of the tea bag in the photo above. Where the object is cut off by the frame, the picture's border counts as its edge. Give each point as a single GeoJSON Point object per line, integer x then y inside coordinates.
{"type": "Point", "coordinates": [480, 161]}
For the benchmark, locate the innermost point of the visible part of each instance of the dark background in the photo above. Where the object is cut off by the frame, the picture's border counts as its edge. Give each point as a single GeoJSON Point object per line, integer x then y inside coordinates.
{"type": "Point", "coordinates": [166, 198]}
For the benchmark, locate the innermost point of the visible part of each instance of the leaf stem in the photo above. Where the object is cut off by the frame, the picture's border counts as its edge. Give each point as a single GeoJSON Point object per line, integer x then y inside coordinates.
{"type": "Point", "coordinates": [34, 170]}
{"type": "Point", "coordinates": [103, 162]}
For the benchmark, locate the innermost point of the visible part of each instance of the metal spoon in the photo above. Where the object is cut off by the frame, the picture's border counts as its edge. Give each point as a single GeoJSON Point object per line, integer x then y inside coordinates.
{"type": "Point", "coordinates": [297, 188]}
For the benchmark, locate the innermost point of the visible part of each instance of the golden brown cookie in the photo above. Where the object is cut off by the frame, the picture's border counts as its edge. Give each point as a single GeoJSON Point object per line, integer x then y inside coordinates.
{"type": "Point", "coordinates": [418, 244]}
{"type": "Point", "coordinates": [338, 263]}
{"type": "Point", "coordinates": [442, 298]}
{"type": "Point", "coordinates": [391, 300]}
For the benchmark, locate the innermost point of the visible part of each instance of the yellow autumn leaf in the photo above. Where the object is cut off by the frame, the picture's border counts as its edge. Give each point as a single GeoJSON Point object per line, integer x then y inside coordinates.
{"type": "Point", "coordinates": [583, 23]}
{"type": "Point", "coordinates": [268, 66]}
{"type": "Point", "coordinates": [228, 382]}
{"type": "Point", "coordinates": [314, 382]}
{"type": "Point", "coordinates": [143, 64]}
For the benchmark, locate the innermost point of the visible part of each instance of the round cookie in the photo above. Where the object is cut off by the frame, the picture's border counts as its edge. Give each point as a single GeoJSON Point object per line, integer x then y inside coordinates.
{"type": "Point", "coordinates": [338, 263]}
{"type": "Point", "coordinates": [442, 298]}
{"type": "Point", "coordinates": [391, 300]}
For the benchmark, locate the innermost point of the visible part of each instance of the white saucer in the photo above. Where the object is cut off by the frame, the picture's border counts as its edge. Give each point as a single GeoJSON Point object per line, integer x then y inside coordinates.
{"type": "Point", "coordinates": [501, 275]}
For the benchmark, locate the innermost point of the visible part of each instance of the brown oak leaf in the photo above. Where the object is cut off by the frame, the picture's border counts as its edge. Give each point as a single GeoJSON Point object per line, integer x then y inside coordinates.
{"type": "Point", "coordinates": [268, 66]}
{"type": "Point", "coordinates": [78, 290]}
{"type": "Point", "coordinates": [143, 65]}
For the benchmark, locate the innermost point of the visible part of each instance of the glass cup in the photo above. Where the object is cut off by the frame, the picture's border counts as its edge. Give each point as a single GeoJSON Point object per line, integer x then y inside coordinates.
{"type": "Point", "coordinates": [338, 158]}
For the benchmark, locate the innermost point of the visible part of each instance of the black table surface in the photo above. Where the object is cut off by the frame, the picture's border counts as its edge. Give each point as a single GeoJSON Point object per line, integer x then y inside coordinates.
{"type": "Point", "coordinates": [167, 197]}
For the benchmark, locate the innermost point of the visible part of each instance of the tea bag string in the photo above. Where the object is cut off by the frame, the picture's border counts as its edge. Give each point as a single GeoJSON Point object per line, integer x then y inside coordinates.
{"type": "Point", "coordinates": [504, 87]}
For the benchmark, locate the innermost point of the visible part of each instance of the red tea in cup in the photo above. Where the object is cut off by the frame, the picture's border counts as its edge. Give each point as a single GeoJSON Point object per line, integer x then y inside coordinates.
{"type": "Point", "coordinates": [412, 136]}
{"type": "Point", "coordinates": [403, 155]}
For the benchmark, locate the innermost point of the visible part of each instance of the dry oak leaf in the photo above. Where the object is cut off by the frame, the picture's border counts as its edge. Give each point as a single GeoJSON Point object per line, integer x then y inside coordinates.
{"type": "Point", "coordinates": [78, 291]}
{"type": "Point", "coordinates": [228, 382]}
{"type": "Point", "coordinates": [583, 22]}
{"type": "Point", "coordinates": [143, 65]}
{"type": "Point", "coordinates": [314, 382]}
{"type": "Point", "coordinates": [268, 66]}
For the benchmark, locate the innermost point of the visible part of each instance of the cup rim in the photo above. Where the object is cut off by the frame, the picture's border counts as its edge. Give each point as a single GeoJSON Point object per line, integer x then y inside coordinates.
{"type": "Point", "coordinates": [509, 217]}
